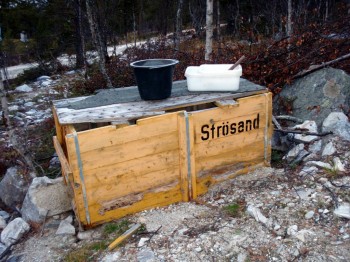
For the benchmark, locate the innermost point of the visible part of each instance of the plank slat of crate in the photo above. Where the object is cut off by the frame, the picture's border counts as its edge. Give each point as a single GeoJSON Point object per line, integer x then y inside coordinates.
{"type": "Point", "coordinates": [131, 107]}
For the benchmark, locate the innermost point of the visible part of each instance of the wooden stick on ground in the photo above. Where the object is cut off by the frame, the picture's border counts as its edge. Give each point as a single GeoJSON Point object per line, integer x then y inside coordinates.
{"type": "Point", "coordinates": [124, 236]}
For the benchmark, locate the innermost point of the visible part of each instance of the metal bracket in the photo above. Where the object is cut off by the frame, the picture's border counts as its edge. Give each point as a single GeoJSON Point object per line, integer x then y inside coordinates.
{"type": "Point", "coordinates": [81, 174]}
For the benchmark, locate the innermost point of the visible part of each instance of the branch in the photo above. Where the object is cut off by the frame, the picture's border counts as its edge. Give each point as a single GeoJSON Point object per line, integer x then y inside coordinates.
{"type": "Point", "coordinates": [290, 118]}
{"type": "Point", "coordinates": [316, 67]}
{"type": "Point", "coordinates": [304, 132]}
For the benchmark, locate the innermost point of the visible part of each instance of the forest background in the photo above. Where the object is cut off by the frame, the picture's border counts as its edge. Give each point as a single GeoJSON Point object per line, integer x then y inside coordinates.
{"type": "Point", "coordinates": [282, 40]}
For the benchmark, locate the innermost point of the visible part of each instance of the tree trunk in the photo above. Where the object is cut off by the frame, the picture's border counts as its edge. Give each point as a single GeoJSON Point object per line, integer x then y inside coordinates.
{"type": "Point", "coordinates": [209, 31]}
{"type": "Point", "coordinates": [237, 20]}
{"type": "Point", "coordinates": [80, 39]}
{"type": "Point", "coordinates": [97, 39]}
{"type": "Point", "coordinates": [178, 25]}
{"type": "Point", "coordinates": [289, 19]}
{"type": "Point", "coordinates": [218, 31]}
{"type": "Point", "coordinates": [326, 12]}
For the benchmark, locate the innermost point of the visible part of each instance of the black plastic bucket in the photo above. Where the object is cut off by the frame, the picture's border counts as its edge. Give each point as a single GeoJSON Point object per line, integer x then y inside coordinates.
{"type": "Point", "coordinates": [154, 77]}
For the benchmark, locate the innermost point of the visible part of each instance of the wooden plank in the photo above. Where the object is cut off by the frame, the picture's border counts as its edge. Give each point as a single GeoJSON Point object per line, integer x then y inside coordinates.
{"type": "Point", "coordinates": [242, 155]}
{"type": "Point", "coordinates": [134, 110]}
{"type": "Point", "coordinates": [66, 171]}
{"type": "Point", "coordinates": [229, 143]}
{"type": "Point", "coordinates": [150, 199]}
{"type": "Point", "coordinates": [109, 136]}
{"type": "Point", "coordinates": [130, 185]}
{"type": "Point", "coordinates": [246, 106]}
{"type": "Point", "coordinates": [105, 156]}
{"type": "Point", "coordinates": [58, 127]}
{"type": "Point", "coordinates": [205, 182]}
{"type": "Point", "coordinates": [134, 167]}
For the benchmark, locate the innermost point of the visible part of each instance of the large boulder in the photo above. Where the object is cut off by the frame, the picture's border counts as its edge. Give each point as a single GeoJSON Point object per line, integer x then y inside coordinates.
{"type": "Point", "coordinates": [13, 187]}
{"type": "Point", "coordinates": [14, 231]}
{"type": "Point", "coordinates": [315, 96]}
{"type": "Point", "coordinates": [45, 197]}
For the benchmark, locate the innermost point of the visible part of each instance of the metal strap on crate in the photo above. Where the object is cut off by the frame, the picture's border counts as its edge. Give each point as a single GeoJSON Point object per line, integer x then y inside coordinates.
{"type": "Point", "coordinates": [81, 174]}
{"type": "Point", "coordinates": [266, 139]}
{"type": "Point", "coordinates": [188, 154]}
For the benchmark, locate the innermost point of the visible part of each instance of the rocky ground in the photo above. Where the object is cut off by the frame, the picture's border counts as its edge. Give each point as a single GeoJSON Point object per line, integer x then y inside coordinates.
{"type": "Point", "coordinates": [297, 210]}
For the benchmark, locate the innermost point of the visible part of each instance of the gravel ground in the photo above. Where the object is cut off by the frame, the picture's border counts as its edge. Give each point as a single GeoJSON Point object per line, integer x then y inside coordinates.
{"type": "Point", "coordinates": [271, 214]}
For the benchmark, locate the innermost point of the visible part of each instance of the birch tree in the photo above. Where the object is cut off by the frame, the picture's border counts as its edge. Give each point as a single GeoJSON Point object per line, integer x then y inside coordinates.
{"type": "Point", "coordinates": [209, 31]}
{"type": "Point", "coordinates": [289, 19]}
{"type": "Point", "coordinates": [97, 39]}
{"type": "Point", "coordinates": [178, 25]}
{"type": "Point", "coordinates": [80, 38]}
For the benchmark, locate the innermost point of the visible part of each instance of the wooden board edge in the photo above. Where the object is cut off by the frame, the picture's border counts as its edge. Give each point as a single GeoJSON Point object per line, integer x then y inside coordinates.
{"type": "Point", "coordinates": [66, 170]}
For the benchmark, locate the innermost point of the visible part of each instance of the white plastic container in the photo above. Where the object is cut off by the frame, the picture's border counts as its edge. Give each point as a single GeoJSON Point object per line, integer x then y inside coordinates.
{"type": "Point", "coordinates": [213, 77]}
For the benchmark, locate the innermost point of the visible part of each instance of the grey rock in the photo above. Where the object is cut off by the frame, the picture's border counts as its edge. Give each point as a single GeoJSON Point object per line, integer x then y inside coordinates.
{"type": "Point", "coordinates": [198, 249]}
{"type": "Point", "coordinates": [23, 88]}
{"type": "Point", "coordinates": [146, 255]}
{"type": "Point", "coordinates": [14, 231]}
{"type": "Point", "coordinates": [13, 108]}
{"type": "Point", "coordinates": [45, 197]}
{"type": "Point", "coordinates": [3, 249]}
{"type": "Point", "coordinates": [309, 214]}
{"type": "Point", "coordinates": [65, 241]}
{"type": "Point", "coordinates": [315, 147]}
{"type": "Point", "coordinates": [338, 123]}
{"type": "Point", "coordinates": [292, 230]}
{"type": "Point", "coordinates": [308, 125]}
{"type": "Point", "coordinates": [143, 241]}
{"type": "Point", "coordinates": [280, 141]}
{"type": "Point", "coordinates": [3, 223]}
{"type": "Point", "coordinates": [65, 228]}
{"type": "Point", "coordinates": [308, 170]}
{"type": "Point", "coordinates": [343, 210]}
{"type": "Point", "coordinates": [29, 104]}
{"type": "Point", "coordinates": [301, 235]}
{"type": "Point", "coordinates": [256, 213]}
{"type": "Point", "coordinates": [69, 219]}
{"type": "Point", "coordinates": [319, 164]}
{"type": "Point", "coordinates": [54, 162]}
{"type": "Point", "coordinates": [293, 154]}
{"type": "Point", "coordinates": [326, 89]}
{"type": "Point", "coordinates": [43, 78]}
{"type": "Point", "coordinates": [85, 235]}
{"type": "Point", "coordinates": [13, 187]}
{"type": "Point", "coordinates": [115, 256]}
{"type": "Point", "coordinates": [4, 214]}
{"type": "Point", "coordinates": [242, 257]}
{"type": "Point", "coordinates": [329, 149]}
{"type": "Point", "coordinates": [32, 112]}
{"type": "Point", "coordinates": [338, 165]}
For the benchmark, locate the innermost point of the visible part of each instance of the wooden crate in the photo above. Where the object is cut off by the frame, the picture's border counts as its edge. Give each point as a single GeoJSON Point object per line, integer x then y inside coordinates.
{"type": "Point", "coordinates": [155, 153]}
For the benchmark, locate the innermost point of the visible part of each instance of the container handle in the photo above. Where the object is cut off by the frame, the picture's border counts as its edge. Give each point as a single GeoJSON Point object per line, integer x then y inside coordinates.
{"type": "Point", "coordinates": [237, 63]}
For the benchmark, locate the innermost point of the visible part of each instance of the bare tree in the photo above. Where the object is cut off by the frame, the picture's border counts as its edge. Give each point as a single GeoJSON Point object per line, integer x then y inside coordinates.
{"type": "Point", "coordinates": [178, 25]}
{"type": "Point", "coordinates": [197, 12]}
{"type": "Point", "coordinates": [91, 7]}
{"type": "Point", "coordinates": [289, 19]}
{"type": "Point", "coordinates": [209, 31]}
{"type": "Point", "coordinates": [80, 38]}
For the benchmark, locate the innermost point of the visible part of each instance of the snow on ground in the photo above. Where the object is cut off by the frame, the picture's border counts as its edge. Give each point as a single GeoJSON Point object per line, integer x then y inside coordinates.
{"type": "Point", "coordinates": [14, 71]}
